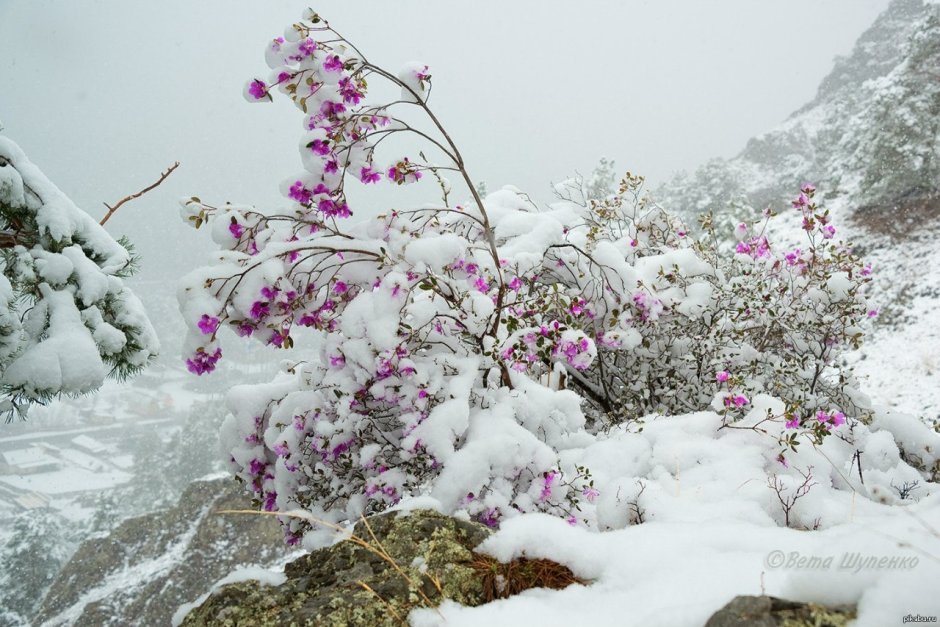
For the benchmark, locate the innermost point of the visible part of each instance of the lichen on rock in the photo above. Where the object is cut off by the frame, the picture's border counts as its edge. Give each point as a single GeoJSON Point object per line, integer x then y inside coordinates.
{"type": "Point", "coordinates": [766, 611]}
{"type": "Point", "coordinates": [410, 561]}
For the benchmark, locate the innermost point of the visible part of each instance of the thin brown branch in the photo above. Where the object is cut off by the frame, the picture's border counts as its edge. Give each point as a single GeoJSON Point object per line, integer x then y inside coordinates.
{"type": "Point", "coordinates": [112, 209]}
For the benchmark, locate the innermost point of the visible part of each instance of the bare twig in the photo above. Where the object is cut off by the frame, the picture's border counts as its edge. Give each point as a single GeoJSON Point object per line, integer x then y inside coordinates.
{"type": "Point", "coordinates": [112, 209]}
{"type": "Point", "coordinates": [787, 502]}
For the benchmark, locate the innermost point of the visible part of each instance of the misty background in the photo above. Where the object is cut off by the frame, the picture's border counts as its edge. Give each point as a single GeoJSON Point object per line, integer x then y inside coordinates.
{"type": "Point", "coordinates": [104, 94]}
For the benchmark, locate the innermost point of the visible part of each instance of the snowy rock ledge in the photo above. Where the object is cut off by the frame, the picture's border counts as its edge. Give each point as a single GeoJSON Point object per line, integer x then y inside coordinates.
{"type": "Point", "coordinates": [407, 561]}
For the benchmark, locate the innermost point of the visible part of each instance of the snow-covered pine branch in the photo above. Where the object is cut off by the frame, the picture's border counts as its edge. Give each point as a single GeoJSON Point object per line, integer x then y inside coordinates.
{"type": "Point", "coordinates": [67, 321]}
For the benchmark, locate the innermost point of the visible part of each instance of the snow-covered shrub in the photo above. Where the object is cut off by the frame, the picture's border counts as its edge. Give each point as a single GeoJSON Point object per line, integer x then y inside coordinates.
{"type": "Point", "coordinates": [66, 318]}
{"type": "Point", "coordinates": [680, 324]}
{"type": "Point", "coordinates": [448, 348]}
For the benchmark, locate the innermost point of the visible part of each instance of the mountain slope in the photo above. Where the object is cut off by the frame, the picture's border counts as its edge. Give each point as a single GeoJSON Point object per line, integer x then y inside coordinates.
{"type": "Point", "coordinates": [869, 137]}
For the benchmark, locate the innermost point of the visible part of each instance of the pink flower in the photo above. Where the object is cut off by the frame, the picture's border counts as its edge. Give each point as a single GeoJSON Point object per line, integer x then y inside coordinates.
{"type": "Point", "coordinates": [793, 257]}
{"type": "Point", "coordinates": [257, 89]}
{"type": "Point", "coordinates": [590, 493]}
{"type": "Point", "coordinates": [829, 231]}
{"type": "Point", "coordinates": [422, 75]}
{"type": "Point", "coordinates": [872, 313]}
{"type": "Point", "coordinates": [800, 202]}
{"type": "Point", "coordinates": [300, 193]}
{"type": "Point", "coordinates": [808, 189]}
{"type": "Point", "coordinates": [368, 175]}
{"type": "Point", "coordinates": [349, 91]}
{"type": "Point", "coordinates": [337, 361]}
{"type": "Point", "coordinates": [723, 376]}
{"type": "Point", "coordinates": [236, 229]}
{"type": "Point", "coordinates": [208, 324]}
{"type": "Point", "coordinates": [333, 64]}
{"type": "Point", "coordinates": [202, 362]}
{"type": "Point", "coordinates": [256, 466]}
{"type": "Point", "coordinates": [340, 287]}
{"type": "Point", "coordinates": [307, 47]}
{"type": "Point", "coordinates": [793, 423]}
{"type": "Point", "coordinates": [490, 518]}
{"type": "Point", "coordinates": [259, 309]}
{"type": "Point", "coordinates": [516, 284]}
{"type": "Point", "coordinates": [547, 482]}
{"type": "Point", "coordinates": [738, 400]}
{"type": "Point", "coordinates": [319, 147]}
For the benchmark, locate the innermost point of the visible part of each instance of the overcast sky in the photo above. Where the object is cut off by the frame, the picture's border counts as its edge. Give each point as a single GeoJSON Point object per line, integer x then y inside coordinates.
{"type": "Point", "coordinates": [103, 94]}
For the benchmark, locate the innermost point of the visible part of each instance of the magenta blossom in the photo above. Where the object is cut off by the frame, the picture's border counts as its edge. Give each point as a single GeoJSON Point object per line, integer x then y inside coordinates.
{"type": "Point", "coordinates": [800, 202]}
{"type": "Point", "coordinates": [258, 89]}
{"type": "Point", "coordinates": [307, 47]}
{"type": "Point", "coordinates": [300, 193]}
{"type": "Point", "coordinates": [723, 376]}
{"type": "Point", "coordinates": [333, 64]}
{"type": "Point", "coordinates": [319, 147]}
{"type": "Point", "coordinates": [547, 482]}
{"type": "Point", "coordinates": [368, 175]}
{"type": "Point", "coordinates": [202, 362]}
{"type": "Point", "coordinates": [208, 324]}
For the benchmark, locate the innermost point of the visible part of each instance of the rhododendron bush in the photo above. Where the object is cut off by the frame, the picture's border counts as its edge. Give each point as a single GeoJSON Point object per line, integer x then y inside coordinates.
{"type": "Point", "coordinates": [480, 352]}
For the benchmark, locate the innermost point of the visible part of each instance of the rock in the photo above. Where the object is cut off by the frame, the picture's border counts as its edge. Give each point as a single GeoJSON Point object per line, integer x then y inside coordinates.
{"type": "Point", "coordinates": [349, 584]}
{"type": "Point", "coordinates": [765, 611]}
{"type": "Point", "coordinates": [150, 565]}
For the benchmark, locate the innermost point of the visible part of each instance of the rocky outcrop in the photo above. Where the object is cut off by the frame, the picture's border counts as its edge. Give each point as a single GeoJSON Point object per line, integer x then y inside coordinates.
{"type": "Point", "coordinates": [150, 565]}
{"type": "Point", "coordinates": [399, 563]}
{"type": "Point", "coordinates": [765, 611]}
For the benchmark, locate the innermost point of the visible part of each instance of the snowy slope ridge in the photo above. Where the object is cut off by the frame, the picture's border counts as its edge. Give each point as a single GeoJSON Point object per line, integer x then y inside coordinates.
{"type": "Point", "coordinates": [144, 568]}
{"type": "Point", "coordinates": [870, 140]}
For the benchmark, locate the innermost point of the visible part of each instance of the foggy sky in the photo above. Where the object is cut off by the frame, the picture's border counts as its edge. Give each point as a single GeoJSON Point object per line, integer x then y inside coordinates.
{"type": "Point", "coordinates": [104, 94]}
